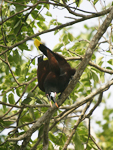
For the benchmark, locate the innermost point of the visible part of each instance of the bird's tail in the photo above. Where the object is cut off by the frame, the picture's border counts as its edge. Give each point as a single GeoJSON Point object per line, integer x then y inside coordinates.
{"type": "Point", "coordinates": [41, 47]}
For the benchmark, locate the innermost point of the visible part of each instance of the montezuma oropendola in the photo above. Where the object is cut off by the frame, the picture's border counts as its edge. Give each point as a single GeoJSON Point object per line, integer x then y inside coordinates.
{"type": "Point", "coordinates": [53, 74]}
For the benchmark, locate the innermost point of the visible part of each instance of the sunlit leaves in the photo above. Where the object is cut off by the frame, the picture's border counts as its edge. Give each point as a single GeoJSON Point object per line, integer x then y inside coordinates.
{"type": "Point", "coordinates": [40, 17]}
{"type": "Point", "coordinates": [99, 60]}
{"type": "Point", "coordinates": [70, 36]}
{"type": "Point", "coordinates": [42, 25]}
{"type": "Point", "coordinates": [23, 69]}
{"type": "Point", "coordinates": [48, 14]}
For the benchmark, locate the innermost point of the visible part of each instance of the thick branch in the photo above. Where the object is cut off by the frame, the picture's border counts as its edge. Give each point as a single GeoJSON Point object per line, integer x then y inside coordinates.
{"type": "Point", "coordinates": [45, 137]}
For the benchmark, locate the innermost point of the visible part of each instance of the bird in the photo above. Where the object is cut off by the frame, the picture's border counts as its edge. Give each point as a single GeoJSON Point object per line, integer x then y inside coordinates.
{"type": "Point", "coordinates": [54, 73]}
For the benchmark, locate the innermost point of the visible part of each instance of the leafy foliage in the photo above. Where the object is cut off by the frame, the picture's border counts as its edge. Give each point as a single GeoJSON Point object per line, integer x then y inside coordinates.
{"type": "Point", "coordinates": [22, 102]}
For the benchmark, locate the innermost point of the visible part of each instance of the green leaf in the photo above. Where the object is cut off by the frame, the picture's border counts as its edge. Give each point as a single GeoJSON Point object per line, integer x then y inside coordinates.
{"type": "Point", "coordinates": [18, 70]}
{"type": "Point", "coordinates": [17, 24]}
{"type": "Point", "coordinates": [33, 62]}
{"type": "Point", "coordinates": [31, 113]}
{"type": "Point", "coordinates": [95, 1]}
{"type": "Point", "coordinates": [56, 31]}
{"type": "Point", "coordinates": [4, 99]}
{"type": "Point", "coordinates": [78, 142]}
{"type": "Point", "coordinates": [7, 70]}
{"type": "Point", "coordinates": [102, 77]}
{"type": "Point", "coordinates": [26, 118]}
{"type": "Point", "coordinates": [40, 17]}
{"type": "Point", "coordinates": [63, 137]}
{"type": "Point", "coordinates": [42, 25]}
{"type": "Point", "coordinates": [109, 68]}
{"type": "Point", "coordinates": [110, 61]}
{"type": "Point", "coordinates": [78, 2]}
{"type": "Point", "coordinates": [98, 60]}
{"type": "Point", "coordinates": [11, 37]}
{"type": "Point", "coordinates": [18, 91]}
{"type": "Point", "coordinates": [11, 98]}
{"type": "Point", "coordinates": [108, 95]}
{"type": "Point", "coordinates": [58, 46]}
{"type": "Point", "coordinates": [47, 6]}
{"type": "Point", "coordinates": [70, 36]}
{"type": "Point", "coordinates": [50, 146]}
{"type": "Point", "coordinates": [34, 14]}
{"type": "Point", "coordinates": [95, 76]}
{"type": "Point", "coordinates": [28, 98]}
{"type": "Point", "coordinates": [86, 27]}
{"type": "Point", "coordinates": [55, 139]}
{"type": "Point", "coordinates": [23, 47]}
{"type": "Point", "coordinates": [39, 147]}
{"type": "Point", "coordinates": [19, 7]}
{"type": "Point", "coordinates": [48, 14]}
{"type": "Point", "coordinates": [65, 39]}
{"type": "Point", "coordinates": [16, 56]}
{"type": "Point", "coordinates": [38, 100]}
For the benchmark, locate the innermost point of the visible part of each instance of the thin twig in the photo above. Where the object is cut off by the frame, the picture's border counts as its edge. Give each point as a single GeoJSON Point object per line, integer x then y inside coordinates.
{"type": "Point", "coordinates": [88, 134]}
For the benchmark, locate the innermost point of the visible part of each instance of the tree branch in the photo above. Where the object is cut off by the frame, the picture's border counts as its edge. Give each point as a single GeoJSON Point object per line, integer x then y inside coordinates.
{"type": "Point", "coordinates": [95, 106]}
{"type": "Point", "coordinates": [45, 136]}
{"type": "Point", "coordinates": [102, 29]}
{"type": "Point", "coordinates": [43, 119]}
{"type": "Point", "coordinates": [56, 28]}
{"type": "Point", "coordinates": [26, 136]}
{"type": "Point", "coordinates": [91, 64]}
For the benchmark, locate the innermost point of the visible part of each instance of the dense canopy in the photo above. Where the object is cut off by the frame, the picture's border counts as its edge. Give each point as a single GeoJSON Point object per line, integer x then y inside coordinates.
{"type": "Point", "coordinates": [79, 31]}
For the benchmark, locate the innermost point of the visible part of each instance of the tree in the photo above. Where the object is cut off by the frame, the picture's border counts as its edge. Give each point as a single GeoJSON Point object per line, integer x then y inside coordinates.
{"type": "Point", "coordinates": [24, 108]}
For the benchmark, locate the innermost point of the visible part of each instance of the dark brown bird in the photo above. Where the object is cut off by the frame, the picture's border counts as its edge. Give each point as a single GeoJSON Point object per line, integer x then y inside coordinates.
{"type": "Point", "coordinates": [53, 74]}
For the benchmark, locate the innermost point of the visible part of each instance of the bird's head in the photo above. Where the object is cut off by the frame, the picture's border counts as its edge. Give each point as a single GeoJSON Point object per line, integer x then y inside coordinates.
{"type": "Point", "coordinates": [52, 96]}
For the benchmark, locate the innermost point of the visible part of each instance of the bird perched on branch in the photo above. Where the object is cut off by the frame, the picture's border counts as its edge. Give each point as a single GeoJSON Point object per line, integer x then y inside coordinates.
{"type": "Point", "coordinates": [53, 74]}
